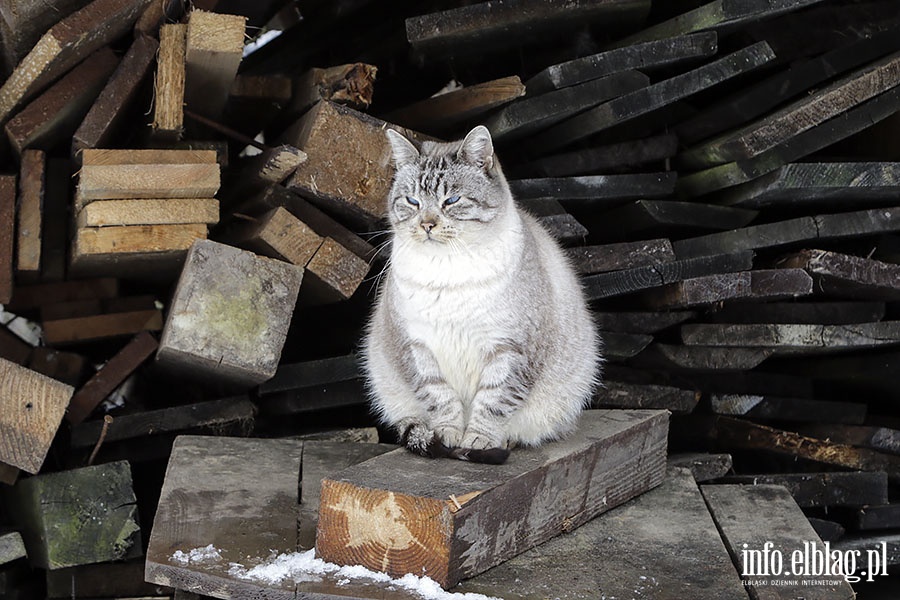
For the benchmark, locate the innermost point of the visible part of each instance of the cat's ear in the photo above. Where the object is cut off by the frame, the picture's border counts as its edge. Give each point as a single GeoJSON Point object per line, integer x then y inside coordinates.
{"type": "Point", "coordinates": [478, 149]}
{"type": "Point", "coordinates": [402, 149]}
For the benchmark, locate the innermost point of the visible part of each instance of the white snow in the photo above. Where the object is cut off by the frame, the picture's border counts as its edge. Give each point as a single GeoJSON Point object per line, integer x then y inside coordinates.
{"type": "Point", "coordinates": [304, 566]}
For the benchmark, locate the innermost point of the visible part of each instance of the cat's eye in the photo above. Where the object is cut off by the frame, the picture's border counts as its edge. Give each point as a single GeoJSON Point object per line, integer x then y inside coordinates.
{"type": "Point", "coordinates": [412, 201]}
{"type": "Point", "coordinates": [451, 200]}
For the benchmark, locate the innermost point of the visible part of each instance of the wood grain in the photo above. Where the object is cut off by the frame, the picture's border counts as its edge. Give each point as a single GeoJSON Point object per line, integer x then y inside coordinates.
{"type": "Point", "coordinates": [169, 85]}
{"type": "Point", "coordinates": [213, 47]}
{"type": "Point", "coordinates": [7, 236]}
{"type": "Point", "coordinates": [29, 217]}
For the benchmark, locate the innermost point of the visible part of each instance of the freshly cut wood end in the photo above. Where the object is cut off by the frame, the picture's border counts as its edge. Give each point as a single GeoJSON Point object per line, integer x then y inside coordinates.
{"type": "Point", "coordinates": [215, 32]}
{"type": "Point", "coordinates": [168, 114]}
{"type": "Point", "coordinates": [391, 532]}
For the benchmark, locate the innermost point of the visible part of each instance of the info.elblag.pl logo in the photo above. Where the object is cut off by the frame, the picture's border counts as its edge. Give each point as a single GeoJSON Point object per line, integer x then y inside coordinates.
{"type": "Point", "coordinates": [814, 560]}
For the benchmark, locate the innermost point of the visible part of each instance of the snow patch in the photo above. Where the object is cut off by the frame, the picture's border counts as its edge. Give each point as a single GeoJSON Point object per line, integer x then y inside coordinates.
{"type": "Point", "coordinates": [206, 554]}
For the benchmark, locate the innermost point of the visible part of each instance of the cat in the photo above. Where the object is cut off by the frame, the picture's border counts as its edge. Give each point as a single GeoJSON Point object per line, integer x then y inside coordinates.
{"type": "Point", "coordinates": [480, 338]}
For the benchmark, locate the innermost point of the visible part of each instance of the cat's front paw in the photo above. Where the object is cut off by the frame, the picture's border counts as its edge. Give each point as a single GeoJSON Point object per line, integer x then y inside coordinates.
{"type": "Point", "coordinates": [477, 441]}
{"type": "Point", "coordinates": [451, 437]}
{"type": "Point", "coordinates": [423, 441]}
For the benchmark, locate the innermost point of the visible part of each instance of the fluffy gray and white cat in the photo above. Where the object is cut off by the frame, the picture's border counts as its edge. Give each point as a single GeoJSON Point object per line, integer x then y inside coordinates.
{"type": "Point", "coordinates": [480, 338]}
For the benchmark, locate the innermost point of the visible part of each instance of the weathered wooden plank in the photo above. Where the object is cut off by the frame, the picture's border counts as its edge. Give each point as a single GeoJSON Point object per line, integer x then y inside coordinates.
{"type": "Point", "coordinates": [53, 116]}
{"type": "Point", "coordinates": [333, 274]}
{"type": "Point", "coordinates": [883, 439]}
{"type": "Point", "coordinates": [529, 115]}
{"type": "Point", "coordinates": [110, 376]}
{"type": "Point", "coordinates": [272, 166]}
{"type": "Point", "coordinates": [794, 338]}
{"type": "Point", "coordinates": [64, 45]}
{"type": "Point", "coordinates": [29, 216]}
{"type": "Point", "coordinates": [668, 218]}
{"type": "Point", "coordinates": [98, 502]}
{"type": "Point", "coordinates": [447, 110]}
{"type": "Point", "coordinates": [7, 236]}
{"type": "Point", "coordinates": [788, 409]}
{"type": "Point", "coordinates": [565, 228]}
{"type": "Point", "coordinates": [886, 516]}
{"type": "Point", "coordinates": [279, 234]}
{"type": "Point", "coordinates": [169, 83]}
{"type": "Point", "coordinates": [30, 297]}
{"type": "Point", "coordinates": [470, 29]}
{"type": "Point", "coordinates": [848, 276]}
{"type": "Point", "coordinates": [32, 409]}
{"type": "Point", "coordinates": [97, 327]}
{"type": "Point", "coordinates": [828, 531]}
{"type": "Point", "coordinates": [758, 285]}
{"type": "Point", "coordinates": [610, 158]}
{"type": "Point", "coordinates": [213, 47]}
{"type": "Point", "coordinates": [810, 184]}
{"type": "Point", "coordinates": [13, 348]}
{"type": "Point", "coordinates": [850, 489]}
{"type": "Point", "coordinates": [212, 414]}
{"type": "Point", "coordinates": [618, 346]}
{"type": "Point", "coordinates": [626, 255]}
{"type": "Point", "coordinates": [109, 113]}
{"type": "Point", "coordinates": [654, 97]}
{"type": "Point", "coordinates": [704, 358]}
{"type": "Point", "coordinates": [103, 580]}
{"type": "Point", "coordinates": [655, 53]}
{"type": "Point", "coordinates": [617, 283]}
{"type": "Point", "coordinates": [463, 535]}
{"type": "Point", "coordinates": [826, 313]}
{"type": "Point", "coordinates": [765, 517]}
{"type": "Point", "coordinates": [11, 547]}
{"type": "Point", "coordinates": [801, 229]}
{"type": "Point", "coordinates": [595, 189]}
{"type": "Point", "coordinates": [57, 219]}
{"type": "Point", "coordinates": [230, 314]}
{"type": "Point", "coordinates": [619, 394]}
{"type": "Point", "coordinates": [23, 22]}
{"type": "Point", "coordinates": [640, 322]}
{"type": "Point", "coordinates": [703, 467]}
{"type": "Point", "coordinates": [146, 211]}
{"type": "Point", "coordinates": [882, 550]}
{"type": "Point", "coordinates": [312, 373]}
{"type": "Point", "coordinates": [689, 560]}
{"type": "Point", "coordinates": [67, 367]}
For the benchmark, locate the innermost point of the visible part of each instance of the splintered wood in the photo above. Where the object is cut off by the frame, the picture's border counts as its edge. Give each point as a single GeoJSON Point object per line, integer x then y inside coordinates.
{"type": "Point", "coordinates": [401, 513]}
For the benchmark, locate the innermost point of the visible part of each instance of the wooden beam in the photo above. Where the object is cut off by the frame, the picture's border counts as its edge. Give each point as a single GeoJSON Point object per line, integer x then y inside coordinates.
{"type": "Point", "coordinates": [103, 326]}
{"type": "Point", "coordinates": [669, 218]}
{"type": "Point", "coordinates": [610, 158]}
{"type": "Point", "coordinates": [7, 236]}
{"type": "Point", "coordinates": [11, 547]}
{"type": "Point", "coordinates": [787, 339]}
{"type": "Point", "coordinates": [625, 255]}
{"type": "Point", "coordinates": [279, 234]}
{"type": "Point", "coordinates": [826, 313]}
{"type": "Point", "coordinates": [847, 276]}
{"type": "Point", "coordinates": [883, 439]}
{"type": "Point", "coordinates": [434, 517]}
{"type": "Point", "coordinates": [67, 367]}
{"type": "Point", "coordinates": [169, 85]}
{"type": "Point", "coordinates": [618, 346]}
{"type": "Point", "coordinates": [809, 490]}
{"type": "Point", "coordinates": [121, 580]}
{"type": "Point", "coordinates": [703, 358]}
{"type": "Point", "coordinates": [29, 217]}
{"type": "Point", "coordinates": [758, 285]}
{"type": "Point", "coordinates": [640, 322]}
{"type": "Point", "coordinates": [622, 395]}
{"type": "Point", "coordinates": [23, 22]}
{"type": "Point", "coordinates": [627, 536]}
{"type": "Point", "coordinates": [886, 516]}
{"type": "Point", "coordinates": [788, 409]}
{"type": "Point", "coordinates": [30, 297]}
{"type": "Point", "coordinates": [229, 314]}
{"type": "Point", "coordinates": [57, 219]}
{"type": "Point", "coordinates": [214, 44]}
{"type": "Point", "coordinates": [160, 211]}
{"type": "Point", "coordinates": [703, 466]}
{"type": "Point", "coordinates": [33, 407]}
{"type": "Point", "coordinates": [333, 274]}
{"type": "Point", "coordinates": [595, 190]}
{"type": "Point", "coordinates": [64, 45]}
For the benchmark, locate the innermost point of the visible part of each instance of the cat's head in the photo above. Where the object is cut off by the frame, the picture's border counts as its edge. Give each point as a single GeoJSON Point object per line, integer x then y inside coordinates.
{"type": "Point", "coordinates": [445, 192]}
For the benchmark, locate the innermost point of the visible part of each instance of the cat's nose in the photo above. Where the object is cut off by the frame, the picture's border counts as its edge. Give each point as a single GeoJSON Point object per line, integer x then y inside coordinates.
{"type": "Point", "coordinates": [428, 226]}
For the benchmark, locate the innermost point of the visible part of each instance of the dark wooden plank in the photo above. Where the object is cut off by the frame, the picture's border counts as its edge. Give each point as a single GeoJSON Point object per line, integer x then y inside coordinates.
{"type": "Point", "coordinates": [669, 528]}
{"type": "Point", "coordinates": [848, 276]}
{"type": "Point", "coordinates": [619, 394]}
{"type": "Point", "coordinates": [7, 236]}
{"type": "Point", "coordinates": [31, 297]}
{"type": "Point", "coordinates": [883, 439]}
{"type": "Point", "coordinates": [790, 339]}
{"type": "Point", "coordinates": [655, 53]}
{"type": "Point", "coordinates": [529, 115]}
{"type": "Point", "coordinates": [703, 358]}
{"type": "Point", "coordinates": [610, 158]}
{"type": "Point", "coordinates": [57, 220]}
{"type": "Point", "coordinates": [30, 214]}
{"type": "Point", "coordinates": [640, 322]}
{"type": "Point", "coordinates": [564, 228]}
{"type": "Point", "coordinates": [594, 190]}
{"type": "Point", "coordinates": [22, 22]}
{"type": "Point", "coordinates": [312, 373]}
{"type": "Point", "coordinates": [617, 283]}
{"type": "Point", "coordinates": [626, 255]}
{"type": "Point", "coordinates": [758, 285]}
{"type": "Point", "coordinates": [850, 489]}
{"type": "Point", "coordinates": [826, 313]}
{"type": "Point", "coordinates": [480, 499]}
{"type": "Point", "coordinates": [765, 518]}
{"type": "Point", "coordinates": [654, 97]}
{"type": "Point", "coordinates": [792, 231]}
{"type": "Point", "coordinates": [13, 348]}
{"type": "Point", "coordinates": [788, 409]}
{"type": "Point", "coordinates": [104, 580]}
{"type": "Point", "coordinates": [828, 531]}
{"type": "Point", "coordinates": [668, 218]}
{"type": "Point", "coordinates": [618, 346]}
{"type": "Point", "coordinates": [886, 516]}
{"type": "Point", "coordinates": [880, 552]}
{"type": "Point", "coordinates": [703, 466]}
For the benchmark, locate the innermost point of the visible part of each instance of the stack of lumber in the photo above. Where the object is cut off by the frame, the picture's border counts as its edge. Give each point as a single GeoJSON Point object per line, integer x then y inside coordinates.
{"type": "Point", "coordinates": [191, 236]}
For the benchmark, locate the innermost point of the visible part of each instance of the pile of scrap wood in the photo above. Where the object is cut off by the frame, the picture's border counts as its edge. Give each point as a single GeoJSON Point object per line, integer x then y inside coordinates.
{"type": "Point", "coordinates": [191, 233]}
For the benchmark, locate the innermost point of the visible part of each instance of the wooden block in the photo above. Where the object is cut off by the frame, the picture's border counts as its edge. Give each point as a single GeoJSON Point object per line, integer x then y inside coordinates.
{"type": "Point", "coordinates": [703, 358]}
{"type": "Point", "coordinates": [352, 85]}
{"type": "Point", "coordinates": [275, 164]}
{"type": "Point", "coordinates": [213, 49]}
{"type": "Point", "coordinates": [23, 22]}
{"type": "Point", "coordinates": [352, 530]}
{"type": "Point", "coordinates": [855, 488]}
{"type": "Point", "coordinates": [826, 313]}
{"type": "Point", "coordinates": [610, 158]}
{"type": "Point", "coordinates": [619, 394]}
{"type": "Point", "coordinates": [660, 218]}
{"type": "Point", "coordinates": [618, 347]}
{"type": "Point", "coordinates": [110, 376]}
{"type": "Point", "coordinates": [655, 53]}
{"type": "Point", "coordinates": [33, 407]}
{"type": "Point", "coordinates": [788, 409]}
{"type": "Point", "coordinates": [465, 29]}
{"type": "Point", "coordinates": [210, 414]}
{"type": "Point", "coordinates": [169, 84]}
{"type": "Point", "coordinates": [809, 184]}
{"type": "Point", "coordinates": [626, 255]}
{"type": "Point", "coordinates": [123, 174]}
{"type": "Point", "coordinates": [98, 327]}
{"type": "Point", "coordinates": [108, 115]}
{"type": "Point", "coordinates": [801, 229]}
{"type": "Point", "coordinates": [759, 285]}
{"type": "Point", "coordinates": [354, 180]}
{"type": "Point", "coordinates": [883, 439]}
{"type": "Point", "coordinates": [230, 314]}
{"type": "Point", "coordinates": [878, 517]}
{"type": "Point", "coordinates": [11, 547]}
{"type": "Point", "coordinates": [12, 348]}
{"type": "Point", "coordinates": [848, 276]}
{"type": "Point", "coordinates": [98, 502]}
{"type": "Point", "coordinates": [64, 45]}
{"type": "Point", "coordinates": [54, 116]}
{"type": "Point", "coordinates": [333, 274]}
{"type": "Point", "coordinates": [7, 236]}
{"type": "Point", "coordinates": [640, 322]}
{"type": "Point", "coordinates": [448, 110]}
{"type": "Point", "coordinates": [654, 97]}
{"type": "Point", "coordinates": [617, 283]}
{"type": "Point", "coordinates": [532, 114]}
{"type": "Point", "coordinates": [752, 518]}
{"type": "Point", "coordinates": [66, 367]}
{"type": "Point", "coordinates": [564, 228]}
{"type": "Point", "coordinates": [782, 125]}
{"type": "Point", "coordinates": [279, 234]}
{"type": "Point", "coordinates": [30, 297]}
{"type": "Point", "coordinates": [703, 467]}
{"type": "Point", "coordinates": [739, 434]}
{"type": "Point", "coordinates": [594, 190]}
{"type": "Point", "coordinates": [786, 339]}
{"type": "Point", "coordinates": [133, 251]}
{"type": "Point", "coordinates": [29, 217]}
{"type": "Point", "coordinates": [160, 211]}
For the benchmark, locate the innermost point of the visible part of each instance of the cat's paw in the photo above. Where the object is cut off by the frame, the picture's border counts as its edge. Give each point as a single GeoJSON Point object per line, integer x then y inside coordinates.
{"type": "Point", "coordinates": [476, 441]}
{"type": "Point", "coordinates": [451, 437]}
{"type": "Point", "coordinates": [423, 441]}
{"type": "Point", "coordinates": [491, 456]}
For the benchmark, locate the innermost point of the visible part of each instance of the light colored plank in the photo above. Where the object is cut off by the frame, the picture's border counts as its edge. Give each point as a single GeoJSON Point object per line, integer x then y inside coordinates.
{"type": "Point", "coordinates": [279, 234]}
{"type": "Point", "coordinates": [159, 211]}
{"type": "Point", "coordinates": [29, 217]}
{"type": "Point", "coordinates": [213, 47]}
{"type": "Point", "coordinates": [168, 91]}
